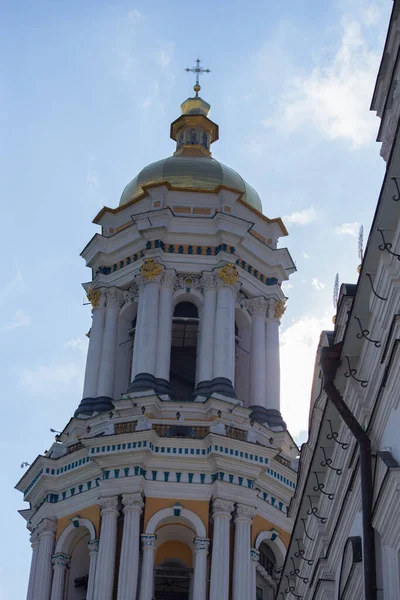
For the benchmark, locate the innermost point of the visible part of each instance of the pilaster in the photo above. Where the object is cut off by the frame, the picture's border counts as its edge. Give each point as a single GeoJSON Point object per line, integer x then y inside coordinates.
{"type": "Point", "coordinates": [146, 580]}
{"type": "Point", "coordinates": [129, 561]}
{"type": "Point", "coordinates": [220, 561]}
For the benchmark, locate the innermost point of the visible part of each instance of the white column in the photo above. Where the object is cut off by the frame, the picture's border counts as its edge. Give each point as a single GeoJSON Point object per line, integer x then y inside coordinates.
{"type": "Point", "coordinates": [44, 573]}
{"type": "Point", "coordinates": [273, 377]}
{"type": "Point", "coordinates": [60, 562]}
{"type": "Point", "coordinates": [257, 308]}
{"type": "Point", "coordinates": [106, 559]}
{"type": "Point", "coordinates": [95, 345]}
{"type": "Point", "coordinates": [220, 564]}
{"type": "Point", "coordinates": [32, 572]}
{"type": "Point", "coordinates": [93, 546]}
{"type": "Point", "coordinates": [165, 325]}
{"type": "Point", "coordinates": [241, 558]}
{"type": "Point", "coordinates": [254, 558]}
{"type": "Point", "coordinates": [129, 561]}
{"type": "Point", "coordinates": [146, 340]}
{"type": "Point", "coordinates": [147, 579]}
{"type": "Point", "coordinates": [200, 568]}
{"type": "Point", "coordinates": [224, 344]}
{"type": "Point", "coordinates": [109, 347]}
{"type": "Point", "coordinates": [207, 327]}
{"type": "Point", "coordinates": [136, 345]}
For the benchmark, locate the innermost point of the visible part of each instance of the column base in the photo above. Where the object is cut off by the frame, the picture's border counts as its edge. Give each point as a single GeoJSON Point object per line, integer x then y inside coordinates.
{"type": "Point", "coordinates": [144, 382]}
{"type": "Point", "coordinates": [219, 385]}
{"type": "Point", "coordinates": [270, 416]}
{"type": "Point", "coordinates": [90, 405]}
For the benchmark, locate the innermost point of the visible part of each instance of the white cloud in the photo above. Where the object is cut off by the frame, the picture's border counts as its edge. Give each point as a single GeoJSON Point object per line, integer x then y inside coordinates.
{"type": "Point", "coordinates": [335, 95]}
{"type": "Point", "coordinates": [77, 344]}
{"type": "Point", "coordinates": [45, 378]}
{"type": "Point", "coordinates": [20, 319]}
{"type": "Point", "coordinates": [348, 229]}
{"type": "Point", "coordinates": [164, 56]}
{"type": "Point", "coordinates": [302, 217]}
{"type": "Point", "coordinates": [134, 16]}
{"type": "Point", "coordinates": [299, 343]}
{"type": "Point", "coordinates": [317, 284]}
{"type": "Point", "coordinates": [305, 255]}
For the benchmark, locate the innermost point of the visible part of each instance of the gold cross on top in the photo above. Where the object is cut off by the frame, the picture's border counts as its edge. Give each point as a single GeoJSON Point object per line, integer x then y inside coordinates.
{"type": "Point", "coordinates": [198, 69]}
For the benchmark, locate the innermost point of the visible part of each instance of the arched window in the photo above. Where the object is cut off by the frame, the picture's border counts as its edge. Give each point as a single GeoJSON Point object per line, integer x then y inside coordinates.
{"type": "Point", "coordinates": [78, 574]}
{"type": "Point", "coordinates": [185, 324]}
{"type": "Point", "coordinates": [172, 581]}
{"type": "Point", "coordinates": [268, 560]}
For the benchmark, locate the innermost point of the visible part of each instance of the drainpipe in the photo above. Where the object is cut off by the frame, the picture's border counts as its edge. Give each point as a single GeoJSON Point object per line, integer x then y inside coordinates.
{"type": "Point", "coordinates": [330, 361]}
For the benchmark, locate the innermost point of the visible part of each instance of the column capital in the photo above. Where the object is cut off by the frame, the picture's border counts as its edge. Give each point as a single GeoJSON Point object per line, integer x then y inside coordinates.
{"type": "Point", "coordinates": [228, 275]}
{"type": "Point", "coordinates": [96, 297]}
{"type": "Point", "coordinates": [114, 297]}
{"type": "Point", "coordinates": [132, 502]}
{"type": "Point", "coordinates": [222, 508]}
{"type": "Point", "coordinates": [148, 541]}
{"type": "Point", "coordinates": [254, 555]}
{"type": "Point", "coordinates": [257, 307]}
{"type": "Point", "coordinates": [46, 527]}
{"type": "Point", "coordinates": [168, 278]}
{"type": "Point", "coordinates": [276, 308]}
{"type": "Point", "coordinates": [108, 504]}
{"type": "Point", "coordinates": [150, 270]}
{"type": "Point", "coordinates": [34, 538]}
{"type": "Point", "coordinates": [208, 281]}
{"type": "Point", "coordinates": [93, 546]}
{"type": "Point", "coordinates": [201, 544]}
{"type": "Point", "coordinates": [60, 559]}
{"type": "Point", "coordinates": [244, 512]}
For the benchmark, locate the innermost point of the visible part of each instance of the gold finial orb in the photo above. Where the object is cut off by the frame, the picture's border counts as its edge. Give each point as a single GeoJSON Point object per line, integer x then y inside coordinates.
{"type": "Point", "coordinates": [197, 88]}
{"type": "Point", "coordinates": [359, 269]}
{"type": "Point", "coordinates": [334, 319]}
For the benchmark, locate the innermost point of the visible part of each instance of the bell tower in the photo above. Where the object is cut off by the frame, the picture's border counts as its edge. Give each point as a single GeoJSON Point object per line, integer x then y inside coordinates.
{"type": "Point", "coordinates": [174, 477]}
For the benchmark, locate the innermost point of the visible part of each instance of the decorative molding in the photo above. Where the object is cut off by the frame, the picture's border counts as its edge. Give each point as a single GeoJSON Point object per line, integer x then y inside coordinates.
{"type": "Point", "coordinates": [114, 297]}
{"type": "Point", "coordinates": [201, 544]}
{"type": "Point", "coordinates": [108, 504]}
{"type": "Point", "coordinates": [168, 278]}
{"type": "Point", "coordinates": [188, 282]}
{"type": "Point", "coordinates": [132, 502]}
{"type": "Point", "coordinates": [208, 281]}
{"type": "Point", "coordinates": [280, 308]}
{"type": "Point", "coordinates": [228, 274]}
{"type": "Point", "coordinates": [254, 555]}
{"type": "Point", "coordinates": [46, 527]}
{"type": "Point", "coordinates": [60, 559]}
{"type": "Point", "coordinates": [93, 546]}
{"type": "Point", "coordinates": [95, 297]}
{"type": "Point", "coordinates": [150, 269]}
{"type": "Point", "coordinates": [257, 307]}
{"type": "Point", "coordinates": [148, 541]}
{"type": "Point", "coordinates": [243, 511]}
{"type": "Point", "coordinates": [222, 508]}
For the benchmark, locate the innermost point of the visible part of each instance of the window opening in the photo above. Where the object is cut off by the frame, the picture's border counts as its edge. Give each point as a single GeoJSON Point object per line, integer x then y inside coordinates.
{"type": "Point", "coordinates": [185, 326]}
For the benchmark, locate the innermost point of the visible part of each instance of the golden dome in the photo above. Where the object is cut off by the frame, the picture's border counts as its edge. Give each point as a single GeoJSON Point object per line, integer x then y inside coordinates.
{"type": "Point", "coordinates": [190, 172]}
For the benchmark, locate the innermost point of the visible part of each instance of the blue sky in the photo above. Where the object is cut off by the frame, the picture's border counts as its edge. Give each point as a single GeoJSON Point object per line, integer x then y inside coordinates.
{"type": "Point", "coordinates": [87, 93]}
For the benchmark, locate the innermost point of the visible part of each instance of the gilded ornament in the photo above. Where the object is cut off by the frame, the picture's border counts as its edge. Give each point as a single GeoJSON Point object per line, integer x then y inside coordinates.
{"type": "Point", "coordinates": [228, 274]}
{"type": "Point", "coordinates": [150, 269]}
{"type": "Point", "coordinates": [93, 296]}
{"type": "Point", "coordinates": [280, 308]}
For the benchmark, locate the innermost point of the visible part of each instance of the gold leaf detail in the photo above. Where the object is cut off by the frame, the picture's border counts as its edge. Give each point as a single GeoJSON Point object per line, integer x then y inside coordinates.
{"type": "Point", "coordinates": [228, 274]}
{"type": "Point", "coordinates": [280, 308]}
{"type": "Point", "coordinates": [150, 269]}
{"type": "Point", "coordinates": [93, 296]}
